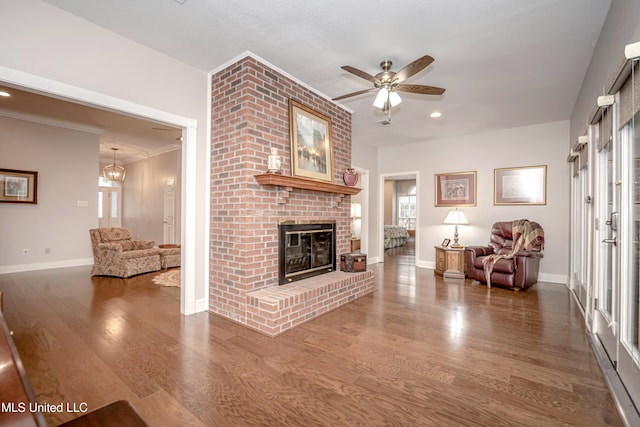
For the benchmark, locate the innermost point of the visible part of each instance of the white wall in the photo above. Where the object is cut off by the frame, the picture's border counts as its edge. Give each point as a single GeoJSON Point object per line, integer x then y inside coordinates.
{"type": "Point", "coordinates": [66, 161]}
{"type": "Point", "coordinates": [366, 157]}
{"type": "Point", "coordinates": [48, 43]}
{"type": "Point", "coordinates": [527, 146]}
{"type": "Point", "coordinates": [621, 27]}
{"type": "Point", "coordinates": [143, 196]}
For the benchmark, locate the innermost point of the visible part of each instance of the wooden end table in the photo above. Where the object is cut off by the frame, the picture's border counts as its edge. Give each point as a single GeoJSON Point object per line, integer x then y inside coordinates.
{"type": "Point", "coordinates": [450, 262]}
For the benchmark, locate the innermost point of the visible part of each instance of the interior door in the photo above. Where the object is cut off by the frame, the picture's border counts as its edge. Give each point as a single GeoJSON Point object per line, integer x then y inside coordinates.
{"type": "Point", "coordinates": [109, 207]}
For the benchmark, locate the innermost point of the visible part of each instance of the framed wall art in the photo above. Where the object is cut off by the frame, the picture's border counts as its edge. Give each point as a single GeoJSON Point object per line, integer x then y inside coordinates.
{"type": "Point", "coordinates": [311, 145]}
{"type": "Point", "coordinates": [456, 189]}
{"type": "Point", "coordinates": [520, 186]}
{"type": "Point", "coordinates": [18, 186]}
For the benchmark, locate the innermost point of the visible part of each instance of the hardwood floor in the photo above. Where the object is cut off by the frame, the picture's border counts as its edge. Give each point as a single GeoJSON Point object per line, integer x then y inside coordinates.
{"type": "Point", "coordinates": [417, 352]}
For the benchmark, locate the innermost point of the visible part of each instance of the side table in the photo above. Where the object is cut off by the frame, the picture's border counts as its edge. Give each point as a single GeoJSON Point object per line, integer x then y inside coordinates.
{"type": "Point", "coordinates": [450, 262]}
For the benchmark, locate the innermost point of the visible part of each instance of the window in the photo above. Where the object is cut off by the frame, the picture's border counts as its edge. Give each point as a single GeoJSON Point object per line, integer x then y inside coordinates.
{"type": "Point", "coordinates": [407, 209]}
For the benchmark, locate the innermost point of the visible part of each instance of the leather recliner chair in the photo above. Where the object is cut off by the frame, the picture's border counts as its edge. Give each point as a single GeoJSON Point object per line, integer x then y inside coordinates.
{"type": "Point", "coordinates": [519, 272]}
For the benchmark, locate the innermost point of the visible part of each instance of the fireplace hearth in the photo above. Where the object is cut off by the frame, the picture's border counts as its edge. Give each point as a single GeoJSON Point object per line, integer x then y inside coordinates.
{"type": "Point", "coordinates": [305, 250]}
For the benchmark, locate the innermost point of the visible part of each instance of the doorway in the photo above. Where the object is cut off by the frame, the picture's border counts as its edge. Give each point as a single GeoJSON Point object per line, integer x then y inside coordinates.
{"type": "Point", "coordinates": [399, 214]}
{"type": "Point", "coordinates": [109, 206]}
{"type": "Point", "coordinates": [190, 252]}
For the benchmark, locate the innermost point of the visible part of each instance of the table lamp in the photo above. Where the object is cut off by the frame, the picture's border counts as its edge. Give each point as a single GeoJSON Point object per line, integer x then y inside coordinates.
{"type": "Point", "coordinates": [456, 218]}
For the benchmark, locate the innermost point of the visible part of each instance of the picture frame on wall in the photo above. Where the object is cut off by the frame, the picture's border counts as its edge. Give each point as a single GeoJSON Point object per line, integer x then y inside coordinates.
{"type": "Point", "coordinates": [526, 185]}
{"type": "Point", "coordinates": [311, 144]}
{"type": "Point", "coordinates": [18, 186]}
{"type": "Point", "coordinates": [455, 189]}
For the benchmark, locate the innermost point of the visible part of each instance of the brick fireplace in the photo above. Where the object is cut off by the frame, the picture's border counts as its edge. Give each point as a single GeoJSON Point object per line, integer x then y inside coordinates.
{"type": "Point", "coordinates": [250, 116]}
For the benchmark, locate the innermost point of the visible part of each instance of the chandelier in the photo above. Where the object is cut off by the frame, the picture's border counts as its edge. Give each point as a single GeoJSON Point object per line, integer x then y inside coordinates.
{"type": "Point", "coordinates": [114, 172]}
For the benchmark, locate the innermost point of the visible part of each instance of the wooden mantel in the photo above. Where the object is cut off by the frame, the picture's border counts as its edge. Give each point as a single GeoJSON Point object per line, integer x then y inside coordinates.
{"type": "Point", "coordinates": [305, 183]}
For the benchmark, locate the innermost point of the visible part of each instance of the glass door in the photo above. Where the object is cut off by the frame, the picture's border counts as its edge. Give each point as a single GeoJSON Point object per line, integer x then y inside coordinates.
{"type": "Point", "coordinates": [582, 240]}
{"type": "Point", "coordinates": [109, 207]}
{"type": "Point", "coordinates": [607, 284]}
{"type": "Point", "coordinates": [629, 352]}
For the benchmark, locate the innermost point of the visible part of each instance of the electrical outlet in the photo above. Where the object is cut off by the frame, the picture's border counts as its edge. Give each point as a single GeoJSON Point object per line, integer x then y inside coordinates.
{"type": "Point", "coordinates": [25, 252]}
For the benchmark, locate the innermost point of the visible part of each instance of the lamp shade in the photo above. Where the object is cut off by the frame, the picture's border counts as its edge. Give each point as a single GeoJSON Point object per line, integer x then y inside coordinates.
{"type": "Point", "coordinates": [456, 217]}
{"type": "Point", "coordinates": [394, 99]}
{"type": "Point", "coordinates": [381, 98]}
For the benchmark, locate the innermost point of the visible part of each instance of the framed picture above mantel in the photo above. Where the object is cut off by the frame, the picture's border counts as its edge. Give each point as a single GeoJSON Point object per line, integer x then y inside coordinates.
{"type": "Point", "coordinates": [311, 145]}
{"type": "Point", "coordinates": [18, 186]}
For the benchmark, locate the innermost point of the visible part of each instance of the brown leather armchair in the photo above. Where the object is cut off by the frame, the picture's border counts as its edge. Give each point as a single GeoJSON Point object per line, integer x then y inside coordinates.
{"type": "Point", "coordinates": [519, 272]}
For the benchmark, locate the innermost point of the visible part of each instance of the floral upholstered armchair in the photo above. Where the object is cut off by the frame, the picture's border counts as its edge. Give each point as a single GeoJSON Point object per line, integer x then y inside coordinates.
{"type": "Point", "coordinates": [115, 253]}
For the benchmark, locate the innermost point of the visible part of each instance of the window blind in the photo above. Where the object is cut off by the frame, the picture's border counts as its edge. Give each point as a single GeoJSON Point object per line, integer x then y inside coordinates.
{"type": "Point", "coordinates": [630, 89]}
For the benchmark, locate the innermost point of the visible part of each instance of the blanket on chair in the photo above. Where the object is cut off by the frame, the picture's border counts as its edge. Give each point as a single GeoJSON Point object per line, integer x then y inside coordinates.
{"type": "Point", "coordinates": [525, 235]}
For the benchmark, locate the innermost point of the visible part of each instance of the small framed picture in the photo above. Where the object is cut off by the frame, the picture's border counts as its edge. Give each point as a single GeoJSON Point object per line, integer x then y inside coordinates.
{"type": "Point", "coordinates": [455, 189]}
{"type": "Point", "coordinates": [445, 243]}
{"type": "Point", "coordinates": [17, 186]}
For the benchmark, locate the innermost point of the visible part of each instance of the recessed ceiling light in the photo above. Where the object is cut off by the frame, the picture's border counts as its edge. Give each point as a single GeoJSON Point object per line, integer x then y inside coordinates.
{"type": "Point", "coordinates": [4, 93]}
{"type": "Point", "coordinates": [436, 114]}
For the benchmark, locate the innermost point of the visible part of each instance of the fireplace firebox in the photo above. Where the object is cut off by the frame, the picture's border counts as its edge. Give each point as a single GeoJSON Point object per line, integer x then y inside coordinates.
{"type": "Point", "coordinates": [305, 250]}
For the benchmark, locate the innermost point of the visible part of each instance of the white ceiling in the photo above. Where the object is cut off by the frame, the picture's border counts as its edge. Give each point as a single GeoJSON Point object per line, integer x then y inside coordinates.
{"type": "Point", "coordinates": [134, 138]}
{"type": "Point", "coordinates": [504, 63]}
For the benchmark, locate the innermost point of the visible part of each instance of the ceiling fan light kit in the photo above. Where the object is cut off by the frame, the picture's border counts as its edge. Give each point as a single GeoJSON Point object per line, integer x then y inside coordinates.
{"type": "Point", "coordinates": [388, 82]}
{"type": "Point", "coordinates": [381, 98]}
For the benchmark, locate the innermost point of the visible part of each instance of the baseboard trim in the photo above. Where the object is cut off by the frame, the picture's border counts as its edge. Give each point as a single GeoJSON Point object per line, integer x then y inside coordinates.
{"type": "Point", "coordinates": [426, 264]}
{"type": "Point", "coordinates": [6, 269]}
{"type": "Point", "coordinates": [202, 304]}
{"type": "Point", "coordinates": [373, 260]}
{"type": "Point", "coordinates": [553, 278]}
{"type": "Point", "coordinates": [621, 398]}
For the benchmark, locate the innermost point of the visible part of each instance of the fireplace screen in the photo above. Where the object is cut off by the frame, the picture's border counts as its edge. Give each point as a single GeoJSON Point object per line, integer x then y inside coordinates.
{"type": "Point", "coordinates": [305, 250]}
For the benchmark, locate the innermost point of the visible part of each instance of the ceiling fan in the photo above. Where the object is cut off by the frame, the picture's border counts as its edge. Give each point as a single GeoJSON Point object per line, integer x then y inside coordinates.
{"type": "Point", "coordinates": [388, 83]}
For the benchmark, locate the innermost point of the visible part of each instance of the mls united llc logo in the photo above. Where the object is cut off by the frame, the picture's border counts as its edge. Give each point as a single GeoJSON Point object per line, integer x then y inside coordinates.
{"type": "Point", "coordinates": [20, 407]}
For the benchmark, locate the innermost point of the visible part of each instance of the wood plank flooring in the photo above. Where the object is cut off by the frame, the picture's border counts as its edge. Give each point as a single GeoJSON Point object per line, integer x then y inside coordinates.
{"type": "Point", "coordinates": [417, 352]}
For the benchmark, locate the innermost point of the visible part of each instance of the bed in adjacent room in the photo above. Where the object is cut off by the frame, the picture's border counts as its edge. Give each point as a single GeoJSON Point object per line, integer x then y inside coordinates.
{"type": "Point", "coordinates": [395, 235]}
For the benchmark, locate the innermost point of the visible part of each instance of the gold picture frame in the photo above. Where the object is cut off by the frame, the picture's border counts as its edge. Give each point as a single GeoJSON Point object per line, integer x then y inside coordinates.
{"type": "Point", "coordinates": [526, 185]}
{"type": "Point", "coordinates": [17, 186]}
{"type": "Point", "coordinates": [455, 189]}
{"type": "Point", "coordinates": [311, 145]}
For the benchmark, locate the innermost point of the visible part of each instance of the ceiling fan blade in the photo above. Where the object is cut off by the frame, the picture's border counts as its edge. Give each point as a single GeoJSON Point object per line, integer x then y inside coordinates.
{"type": "Point", "coordinates": [409, 70]}
{"type": "Point", "coordinates": [421, 89]}
{"type": "Point", "coordinates": [360, 74]}
{"type": "Point", "coordinates": [353, 94]}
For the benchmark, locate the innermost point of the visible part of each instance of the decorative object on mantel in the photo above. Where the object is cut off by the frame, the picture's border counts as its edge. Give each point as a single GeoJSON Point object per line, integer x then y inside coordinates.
{"type": "Point", "coordinates": [113, 171]}
{"type": "Point", "coordinates": [311, 146]}
{"type": "Point", "coordinates": [456, 218]}
{"type": "Point", "coordinates": [273, 165]}
{"type": "Point", "coordinates": [350, 177]}
{"type": "Point", "coordinates": [18, 186]}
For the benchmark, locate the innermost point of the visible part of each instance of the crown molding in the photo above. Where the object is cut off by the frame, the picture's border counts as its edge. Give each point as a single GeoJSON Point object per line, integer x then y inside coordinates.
{"type": "Point", "coordinates": [51, 122]}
